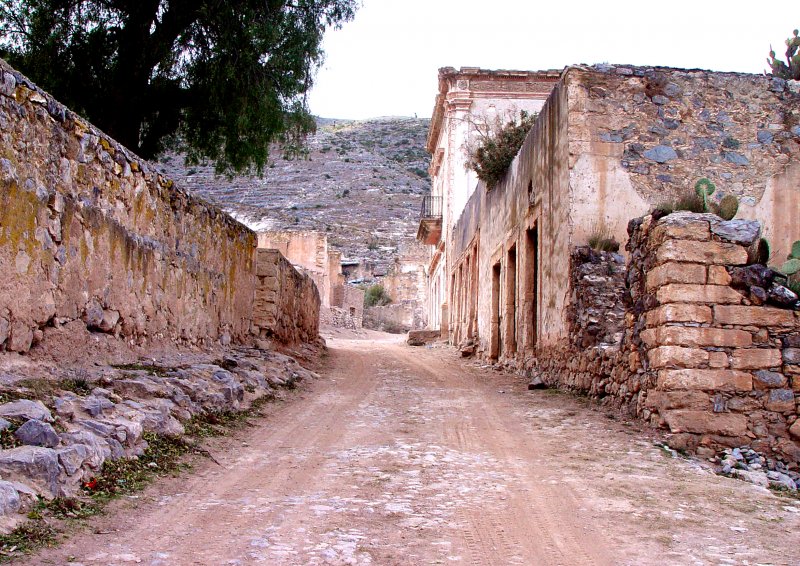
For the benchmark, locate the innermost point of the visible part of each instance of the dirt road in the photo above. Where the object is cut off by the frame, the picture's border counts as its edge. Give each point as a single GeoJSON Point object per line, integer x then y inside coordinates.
{"type": "Point", "coordinates": [407, 456]}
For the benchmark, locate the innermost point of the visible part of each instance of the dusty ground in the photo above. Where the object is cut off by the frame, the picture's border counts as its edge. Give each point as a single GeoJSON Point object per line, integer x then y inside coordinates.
{"type": "Point", "coordinates": [406, 456]}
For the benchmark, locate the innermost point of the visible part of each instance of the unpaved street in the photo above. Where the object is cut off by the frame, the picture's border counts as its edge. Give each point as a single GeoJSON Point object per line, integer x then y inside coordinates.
{"type": "Point", "coordinates": [409, 456]}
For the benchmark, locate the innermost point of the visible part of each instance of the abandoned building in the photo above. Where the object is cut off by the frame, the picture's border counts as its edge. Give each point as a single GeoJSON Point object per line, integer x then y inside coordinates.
{"type": "Point", "coordinates": [510, 276]}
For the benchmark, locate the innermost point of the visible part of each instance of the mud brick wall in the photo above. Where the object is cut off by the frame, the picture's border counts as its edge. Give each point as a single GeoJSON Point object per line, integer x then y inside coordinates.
{"type": "Point", "coordinates": [287, 302]}
{"type": "Point", "coordinates": [726, 367]}
{"type": "Point", "coordinates": [90, 235]}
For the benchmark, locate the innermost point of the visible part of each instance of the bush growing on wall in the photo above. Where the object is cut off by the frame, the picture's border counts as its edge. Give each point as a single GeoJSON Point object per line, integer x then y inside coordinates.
{"type": "Point", "coordinates": [498, 145]}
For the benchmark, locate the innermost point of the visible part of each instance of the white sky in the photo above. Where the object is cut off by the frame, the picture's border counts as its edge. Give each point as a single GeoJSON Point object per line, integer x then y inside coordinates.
{"type": "Point", "coordinates": [385, 62]}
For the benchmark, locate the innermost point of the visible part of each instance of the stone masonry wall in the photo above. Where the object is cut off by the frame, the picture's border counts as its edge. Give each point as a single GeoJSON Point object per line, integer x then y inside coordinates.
{"type": "Point", "coordinates": [701, 351]}
{"type": "Point", "coordinates": [287, 302]}
{"type": "Point", "coordinates": [724, 358]}
{"type": "Point", "coordinates": [90, 235]}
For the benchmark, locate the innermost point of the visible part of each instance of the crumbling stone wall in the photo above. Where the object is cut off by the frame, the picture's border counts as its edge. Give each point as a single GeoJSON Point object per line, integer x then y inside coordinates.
{"type": "Point", "coordinates": [287, 302]}
{"type": "Point", "coordinates": [700, 350]}
{"type": "Point", "coordinates": [348, 309]}
{"type": "Point", "coordinates": [90, 235]}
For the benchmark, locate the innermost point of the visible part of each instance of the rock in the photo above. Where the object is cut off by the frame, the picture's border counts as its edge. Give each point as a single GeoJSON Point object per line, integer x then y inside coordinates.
{"type": "Point", "coordinates": [758, 295]}
{"type": "Point", "coordinates": [764, 136]}
{"type": "Point", "coordinates": [4, 424]}
{"type": "Point", "coordinates": [422, 337]}
{"type": "Point", "coordinates": [4, 328]}
{"type": "Point", "coordinates": [73, 457]}
{"type": "Point", "coordinates": [777, 84]}
{"type": "Point", "coordinates": [735, 158]}
{"type": "Point", "coordinates": [739, 231]}
{"type": "Point", "coordinates": [781, 296]}
{"type": "Point", "coordinates": [37, 433]}
{"type": "Point", "coordinates": [32, 465]}
{"type": "Point", "coordinates": [99, 449]}
{"type": "Point", "coordinates": [95, 405]}
{"type": "Point", "coordinates": [10, 501]}
{"type": "Point", "coordinates": [660, 154]}
{"type": "Point", "coordinates": [93, 314]}
{"type": "Point", "coordinates": [780, 400]}
{"type": "Point", "coordinates": [755, 275]}
{"type": "Point", "coordinates": [660, 99]}
{"type": "Point", "coordinates": [777, 479]}
{"type": "Point", "coordinates": [26, 409]}
{"type": "Point", "coordinates": [536, 383]}
{"type": "Point", "coordinates": [769, 379]}
{"type": "Point", "coordinates": [754, 477]}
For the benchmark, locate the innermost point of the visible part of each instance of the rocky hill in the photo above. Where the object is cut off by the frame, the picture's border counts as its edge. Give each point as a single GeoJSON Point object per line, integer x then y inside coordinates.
{"type": "Point", "coordinates": [362, 184]}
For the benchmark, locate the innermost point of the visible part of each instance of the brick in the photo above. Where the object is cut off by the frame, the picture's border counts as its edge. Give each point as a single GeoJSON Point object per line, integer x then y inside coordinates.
{"type": "Point", "coordinates": [756, 358]}
{"type": "Point", "coordinates": [706, 422]}
{"type": "Point", "coordinates": [676, 356]}
{"type": "Point", "coordinates": [712, 253]}
{"type": "Point", "coordinates": [697, 336]}
{"type": "Point", "coordinates": [677, 312]}
{"type": "Point", "coordinates": [673, 272]}
{"type": "Point", "coordinates": [752, 316]}
{"type": "Point", "coordinates": [718, 275]}
{"type": "Point", "coordinates": [683, 293]}
{"type": "Point", "coordinates": [718, 360]}
{"type": "Point", "coordinates": [705, 380]}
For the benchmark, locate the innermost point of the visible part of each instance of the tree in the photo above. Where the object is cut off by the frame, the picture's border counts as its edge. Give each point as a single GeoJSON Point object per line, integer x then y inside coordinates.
{"type": "Point", "coordinates": [790, 69]}
{"type": "Point", "coordinates": [222, 78]}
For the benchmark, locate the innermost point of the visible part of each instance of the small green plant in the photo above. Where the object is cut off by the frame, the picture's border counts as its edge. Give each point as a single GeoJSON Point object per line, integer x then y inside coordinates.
{"type": "Point", "coordinates": [728, 207]}
{"type": "Point", "coordinates": [376, 296]}
{"type": "Point", "coordinates": [791, 268]}
{"type": "Point", "coordinates": [601, 239]}
{"type": "Point", "coordinates": [704, 189]}
{"type": "Point", "coordinates": [498, 147]}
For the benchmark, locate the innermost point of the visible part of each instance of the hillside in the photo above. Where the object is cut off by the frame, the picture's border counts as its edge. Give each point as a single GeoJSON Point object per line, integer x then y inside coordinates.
{"type": "Point", "coordinates": [361, 184]}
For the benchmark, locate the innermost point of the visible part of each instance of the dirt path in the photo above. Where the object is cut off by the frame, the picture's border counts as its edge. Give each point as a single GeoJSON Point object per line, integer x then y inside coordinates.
{"type": "Point", "coordinates": [407, 456]}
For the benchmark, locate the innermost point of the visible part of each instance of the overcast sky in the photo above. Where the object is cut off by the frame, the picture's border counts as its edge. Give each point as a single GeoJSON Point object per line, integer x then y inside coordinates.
{"type": "Point", "coordinates": [385, 62]}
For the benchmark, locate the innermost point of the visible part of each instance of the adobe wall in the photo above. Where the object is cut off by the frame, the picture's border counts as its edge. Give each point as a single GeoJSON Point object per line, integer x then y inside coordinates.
{"type": "Point", "coordinates": [287, 303]}
{"type": "Point", "coordinates": [89, 233]}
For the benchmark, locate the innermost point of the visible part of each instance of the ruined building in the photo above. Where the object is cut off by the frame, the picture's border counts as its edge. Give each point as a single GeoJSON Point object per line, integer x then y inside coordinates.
{"type": "Point", "coordinates": [674, 335]}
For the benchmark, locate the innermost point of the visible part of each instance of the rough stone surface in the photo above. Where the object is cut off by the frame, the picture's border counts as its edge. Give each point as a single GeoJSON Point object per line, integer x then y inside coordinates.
{"type": "Point", "coordinates": [37, 433]}
{"type": "Point", "coordinates": [34, 466]}
{"type": "Point", "coordinates": [744, 232]}
{"type": "Point", "coordinates": [26, 409]}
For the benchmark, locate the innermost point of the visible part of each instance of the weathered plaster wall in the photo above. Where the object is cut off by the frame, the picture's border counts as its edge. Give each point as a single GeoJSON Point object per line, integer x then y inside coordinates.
{"type": "Point", "coordinates": [287, 302]}
{"type": "Point", "coordinates": [309, 250]}
{"type": "Point", "coordinates": [88, 232]}
{"type": "Point", "coordinates": [641, 136]}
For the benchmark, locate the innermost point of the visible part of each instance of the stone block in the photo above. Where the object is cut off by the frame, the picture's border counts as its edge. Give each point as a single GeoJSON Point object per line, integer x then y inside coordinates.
{"type": "Point", "coordinates": [756, 358]}
{"type": "Point", "coordinates": [676, 356]}
{"type": "Point", "coordinates": [680, 226]}
{"type": "Point", "coordinates": [780, 401]}
{"type": "Point", "coordinates": [706, 422]}
{"type": "Point", "coordinates": [791, 356]}
{"type": "Point", "coordinates": [673, 272]}
{"type": "Point", "coordinates": [794, 430]}
{"type": "Point", "coordinates": [697, 336]}
{"type": "Point", "coordinates": [684, 293]}
{"type": "Point", "coordinates": [753, 316]}
{"type": "Point", "coordinates": [711, 253]}
{"type": "Point", "coordinates": [718, 360]}
{"type": "Point", "coordinates": [765, 379]}
{"type": "Point", "coordinates": [718, 275]}
{"type": "Point", "coordinates": [677, 312]}
{"type": "Point", "coordinates": [704, 380]}
{"type": "Point", "coordinates": [665, 400]}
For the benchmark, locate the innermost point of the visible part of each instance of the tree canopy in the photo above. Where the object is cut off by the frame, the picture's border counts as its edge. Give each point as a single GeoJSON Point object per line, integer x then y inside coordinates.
{"type": "Point", "coordinates": [225, 78]}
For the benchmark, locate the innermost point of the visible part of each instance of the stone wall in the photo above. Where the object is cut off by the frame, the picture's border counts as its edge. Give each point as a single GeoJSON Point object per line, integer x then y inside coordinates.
{"type": "Point", "coordinates": [700, 350]}
{"type": "Point", "coordinates": [348, 309]}
{"type": "Point", "coordinates": [287, 302]}
{"type": "Point", "coordinates": [396, 318]}
{"type": "Point", "coordinates": [89, 233]}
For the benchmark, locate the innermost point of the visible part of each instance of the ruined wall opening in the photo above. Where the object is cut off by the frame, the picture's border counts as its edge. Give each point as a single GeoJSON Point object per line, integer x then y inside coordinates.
{"type": "Point", "coordinates": [531, 286]}
{"type": "Point", "coordinates": [511, 302]}
{"type": "Point", "coordinates": [494, 338]}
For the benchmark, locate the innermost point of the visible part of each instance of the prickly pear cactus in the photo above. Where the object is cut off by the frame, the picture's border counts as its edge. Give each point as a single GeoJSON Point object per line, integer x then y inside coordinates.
{"type": "Point", "coordinates": [728, 207]}
{"type": "Point", "coordinates": [795, 250]}
{"type": "Point", "coordinates": [704, 189]}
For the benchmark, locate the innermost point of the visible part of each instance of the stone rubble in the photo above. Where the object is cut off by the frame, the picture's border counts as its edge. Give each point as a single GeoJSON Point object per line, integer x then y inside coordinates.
{"type": "Point", "coordinates": [62, 443]}
{"type": "Point", "coordinates": [748, 465]}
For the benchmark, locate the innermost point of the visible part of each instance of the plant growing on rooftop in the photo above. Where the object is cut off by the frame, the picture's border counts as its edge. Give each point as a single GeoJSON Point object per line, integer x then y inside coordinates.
{"type": "Point", "coordinates": [791, 68]}
{"type": "Point", "coordinates": [497, 145]}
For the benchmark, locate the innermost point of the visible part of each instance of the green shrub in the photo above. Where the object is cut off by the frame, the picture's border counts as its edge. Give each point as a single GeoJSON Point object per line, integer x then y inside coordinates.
{"type": "Point", "coordinates": [376, 296]}
{"type": "Point", "coordinates": [491, 158]}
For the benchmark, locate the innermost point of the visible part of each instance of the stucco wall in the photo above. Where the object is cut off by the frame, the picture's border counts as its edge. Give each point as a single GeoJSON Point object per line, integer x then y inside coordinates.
{"type": "Point", "coordinates": [88, 232]}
